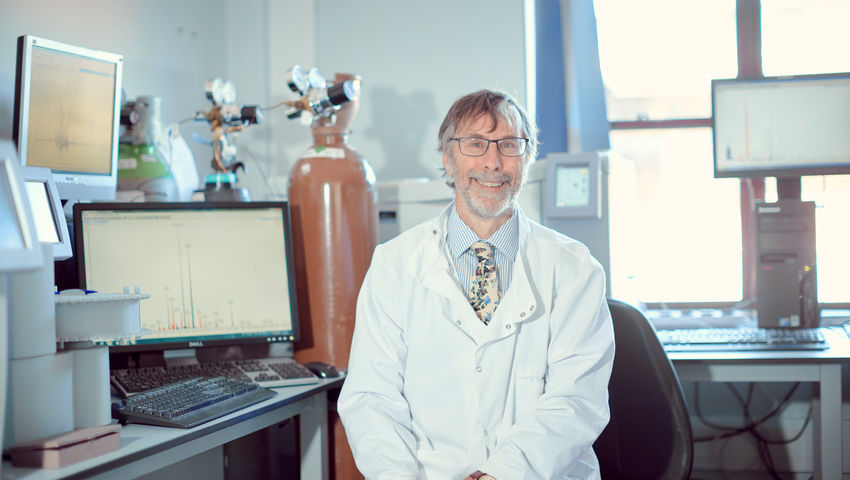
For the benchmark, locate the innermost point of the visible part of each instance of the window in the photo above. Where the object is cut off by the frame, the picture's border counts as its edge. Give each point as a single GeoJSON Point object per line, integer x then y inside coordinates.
{"type": "Point", "coordinates": [798, 37]}
{"type": "Point", "coordinates": [657, 59]}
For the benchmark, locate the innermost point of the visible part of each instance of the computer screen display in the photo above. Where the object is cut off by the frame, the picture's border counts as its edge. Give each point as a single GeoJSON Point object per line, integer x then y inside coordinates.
{"type": "Point", "coordinates": [572, 187]}
{"type": "Point", "coordinates": [781, 127]}
{"type": "Point", "coordinates": [67, 110]}
{"type": "Point", "coordinates": [47, 213]}
{"type": "Point", "coordinates": [217, 273]}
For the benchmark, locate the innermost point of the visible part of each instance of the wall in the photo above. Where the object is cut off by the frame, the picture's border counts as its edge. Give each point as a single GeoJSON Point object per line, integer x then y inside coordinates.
{"type": "Point", "coordinates": [415, 60]}
{"type": "Point", "coordinates": [170, 50]}
{"type": "Point", "coordinates": [410, 73]}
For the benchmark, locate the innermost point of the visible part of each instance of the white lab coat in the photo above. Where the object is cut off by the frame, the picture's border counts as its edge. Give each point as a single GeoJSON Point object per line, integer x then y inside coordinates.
{"type": "Point", "coordinates": [433, 393]}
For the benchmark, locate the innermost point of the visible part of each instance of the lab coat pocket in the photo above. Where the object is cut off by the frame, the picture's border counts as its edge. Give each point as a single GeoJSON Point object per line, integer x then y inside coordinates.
{"type": "Point", "coordinates": [528, 390]}
{"type": "Point", "coordinates": [437, 464]}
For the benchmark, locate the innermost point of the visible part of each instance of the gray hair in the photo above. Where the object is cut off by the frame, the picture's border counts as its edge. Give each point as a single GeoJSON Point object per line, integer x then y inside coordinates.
{"type": "Point", "coordinates": [498, 106]}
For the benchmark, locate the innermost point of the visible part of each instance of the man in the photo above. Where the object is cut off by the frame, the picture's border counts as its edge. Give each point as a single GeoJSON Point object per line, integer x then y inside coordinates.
{"type": "Point", "coordinates": [480, 360]}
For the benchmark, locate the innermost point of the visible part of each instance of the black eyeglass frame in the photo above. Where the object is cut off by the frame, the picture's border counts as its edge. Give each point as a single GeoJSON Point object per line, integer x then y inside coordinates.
{"type": "Point", "coordinates": [497, 142]}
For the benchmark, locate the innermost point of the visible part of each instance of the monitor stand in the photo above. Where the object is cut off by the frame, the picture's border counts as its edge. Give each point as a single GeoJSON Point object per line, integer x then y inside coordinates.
{"type": "Point", "coordinates": [788, 188]}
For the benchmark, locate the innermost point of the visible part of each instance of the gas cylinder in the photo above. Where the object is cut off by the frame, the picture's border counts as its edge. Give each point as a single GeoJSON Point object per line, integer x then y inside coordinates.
{"type": "Point", "coordinates": [333, 207]}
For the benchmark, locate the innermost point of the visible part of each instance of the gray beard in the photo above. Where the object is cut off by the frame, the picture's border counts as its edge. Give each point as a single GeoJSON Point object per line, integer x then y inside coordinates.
{"type": "Point", "coordinates": [505, 203]}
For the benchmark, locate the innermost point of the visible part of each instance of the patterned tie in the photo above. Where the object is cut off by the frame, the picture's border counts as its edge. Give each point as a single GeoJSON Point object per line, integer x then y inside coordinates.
{"type": "Point", "coordinates": [484, 294]}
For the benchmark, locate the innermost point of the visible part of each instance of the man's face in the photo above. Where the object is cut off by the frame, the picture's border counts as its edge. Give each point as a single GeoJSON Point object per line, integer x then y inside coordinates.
{"type": "Point", "coordinates": [485, 186]}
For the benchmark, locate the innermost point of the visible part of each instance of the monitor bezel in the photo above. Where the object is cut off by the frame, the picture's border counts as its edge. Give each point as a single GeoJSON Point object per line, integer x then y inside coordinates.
{"type": "Point", "coordinates": [29, 255]}
{"type": "Point", "coordinates": [70, 185]}
{"type": "Point", "coordinates": [61, 249]}
{"type": "Point", "coordinates": [783, 172]}
{"type": "Point", "coordinates": [161, 345]}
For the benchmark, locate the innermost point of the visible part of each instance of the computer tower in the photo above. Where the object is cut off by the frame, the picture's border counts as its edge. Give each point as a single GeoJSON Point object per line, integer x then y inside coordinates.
{"type": "Point", "coordinates": [786, 277]}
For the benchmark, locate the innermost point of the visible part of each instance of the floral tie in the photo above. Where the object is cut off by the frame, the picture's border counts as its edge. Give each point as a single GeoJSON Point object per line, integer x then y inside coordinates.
{"type": "Point", "coordinates": [484, 294]}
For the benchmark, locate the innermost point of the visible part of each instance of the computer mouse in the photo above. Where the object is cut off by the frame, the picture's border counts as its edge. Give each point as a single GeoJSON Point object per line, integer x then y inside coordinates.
{"type": "Point", "coordinates": [322, 370]}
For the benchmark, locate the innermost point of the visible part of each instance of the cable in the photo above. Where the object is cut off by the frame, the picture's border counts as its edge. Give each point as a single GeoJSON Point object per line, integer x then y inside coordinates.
{"type": "Point", "coordinates": [750, 424]}
{"type": "Point", "coordinates": [188, 119]}
{"type": "Point", "coordinates": [736, 430]}
{"type": "Point", "coordinates": [276, 105]}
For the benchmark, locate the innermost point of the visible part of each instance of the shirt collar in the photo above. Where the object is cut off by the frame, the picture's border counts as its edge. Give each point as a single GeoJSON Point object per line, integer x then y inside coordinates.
{"type": "Point", "coordinates": [460, 237]}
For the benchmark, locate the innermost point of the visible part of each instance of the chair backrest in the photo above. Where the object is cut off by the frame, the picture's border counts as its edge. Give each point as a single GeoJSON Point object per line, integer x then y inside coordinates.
{"type": "Point", "coordinates": [649, 435]}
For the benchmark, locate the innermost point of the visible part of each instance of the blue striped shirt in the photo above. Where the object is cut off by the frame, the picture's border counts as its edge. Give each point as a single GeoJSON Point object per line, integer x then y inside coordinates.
{"type": "Point", "coordinates": [460, 237]}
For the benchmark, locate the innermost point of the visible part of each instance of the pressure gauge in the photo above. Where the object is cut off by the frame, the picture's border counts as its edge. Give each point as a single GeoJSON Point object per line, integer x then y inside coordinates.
{"type": "Point", "coordinates": [316, 80]}
{"type": "Point", "coordinates": [228, 92]}
{"type": "Point", "coordinates": [296, 79]}
{"type": "Point", "coordinates": [342, 92]}
{"type": "Point", "coordinates": [213, 89]}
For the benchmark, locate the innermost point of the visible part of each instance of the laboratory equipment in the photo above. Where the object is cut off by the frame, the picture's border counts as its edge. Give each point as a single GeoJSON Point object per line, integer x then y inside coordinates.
{"type": "Point", "coordinates": [319, 101]}
{"type": "Point", "coordinates": [50, 223]}
{"type": "Point", "coordinates": [334, 220]}
{"type": "Point", "coordinates": [335, 226]}
{"type": "Point", "coordinates": [85, 320]}
{"type": "Point", "coordinates": [144, 161]}
{"type": "Point", "coordinates": [36, 372]}
{"type": "Point", "coordinates": [226, 119]}
{"type": "Point", "coordinates": [66, 115]}
{"type": "Point", "coordinates": [19, 251]}
{"type": "Point", "coordinates": [407, 202]}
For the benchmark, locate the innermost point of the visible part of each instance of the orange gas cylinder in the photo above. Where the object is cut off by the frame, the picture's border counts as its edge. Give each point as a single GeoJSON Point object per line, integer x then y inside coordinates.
{"type": "Point", "coordinates": [333, 206]}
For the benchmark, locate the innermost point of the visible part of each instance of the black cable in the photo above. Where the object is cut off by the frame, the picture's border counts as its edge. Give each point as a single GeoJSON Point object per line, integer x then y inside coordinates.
{"type": "Point", "coordinates": [795, 437]}
{"type": "Point", "coordinates": [736, 430]}
{"type": "Point", "coordinates": [750, 424]}
{"type": "Point", "coordinates": [746, 413]}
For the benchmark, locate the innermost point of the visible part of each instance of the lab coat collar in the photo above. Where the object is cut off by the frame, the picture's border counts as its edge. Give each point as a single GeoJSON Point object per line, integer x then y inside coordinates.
{"type": "Point", "coordinates": [430, 262]}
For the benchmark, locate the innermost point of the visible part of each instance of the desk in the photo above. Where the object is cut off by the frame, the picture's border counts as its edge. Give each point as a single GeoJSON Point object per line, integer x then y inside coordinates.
{"type": "Point", "coordinates": [145, 449]}
{"type": "Point", "coordinates": [822, 367]}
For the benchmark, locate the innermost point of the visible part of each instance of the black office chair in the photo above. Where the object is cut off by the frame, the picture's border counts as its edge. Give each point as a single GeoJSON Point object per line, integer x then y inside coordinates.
{"type": "Point", "coordinates": [649, 435]}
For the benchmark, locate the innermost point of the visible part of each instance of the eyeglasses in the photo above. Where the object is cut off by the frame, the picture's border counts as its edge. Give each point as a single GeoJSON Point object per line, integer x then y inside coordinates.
{"type": "Point", "coordinates": [477, 146]}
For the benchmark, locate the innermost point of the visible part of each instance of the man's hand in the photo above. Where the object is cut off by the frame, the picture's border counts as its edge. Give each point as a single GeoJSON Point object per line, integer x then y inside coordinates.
{"type": "Point", "coordinates": [479, 475]}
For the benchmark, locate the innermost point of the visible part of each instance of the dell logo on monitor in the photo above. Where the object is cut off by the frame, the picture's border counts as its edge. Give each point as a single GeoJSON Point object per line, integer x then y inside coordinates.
{"type": "Point", "coordinates": [196, 343]}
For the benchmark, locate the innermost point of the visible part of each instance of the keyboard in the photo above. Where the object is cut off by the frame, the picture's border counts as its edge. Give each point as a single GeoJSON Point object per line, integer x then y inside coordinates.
{"type": "Point", "coordinates": [265, 372]}
{"type": "Point", "coordinates": [188, 403]}
{"type": "Point", "coordinates": [742, 339]}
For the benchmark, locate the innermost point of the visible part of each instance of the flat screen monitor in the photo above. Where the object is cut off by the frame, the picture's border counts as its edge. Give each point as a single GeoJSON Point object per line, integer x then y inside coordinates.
{"type": "Point", "coordinates": [47, 213]}
{"type": "Point", "coordinates": [19, 248]}
{"type": "Point", "coordinates": [67, 110]}
{"type": "Point", "coordinates": [782, 127]}
{"type": "Point", "coordinates": [217, 273]}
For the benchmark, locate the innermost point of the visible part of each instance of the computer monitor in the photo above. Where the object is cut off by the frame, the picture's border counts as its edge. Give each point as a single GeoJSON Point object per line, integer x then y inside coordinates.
{"type": "Point", "coordinates": [783, 127]}
{"type": "Point", "coordinates": [217, 273]}
{"type": "Point", "coordinates": [67, 109]}
{"type": "Point", "coordinates": [47, 214]}
{"type": "Point", "coordinates": [19, 247]}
